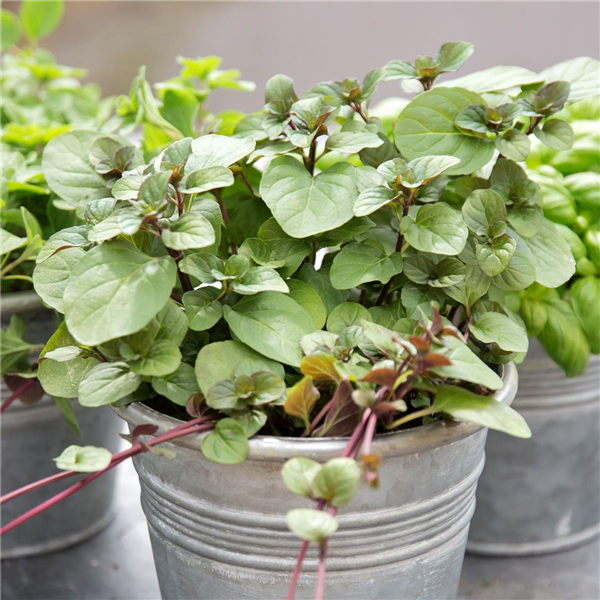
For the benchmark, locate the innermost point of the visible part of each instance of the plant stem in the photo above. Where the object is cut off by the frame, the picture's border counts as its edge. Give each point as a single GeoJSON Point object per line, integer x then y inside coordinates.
{"type": "Point", "coordinates": [35, 485]}
{"type": "Point", "coordinates": [311, 156]}
{"type": "Point", "coordinates": [369, 433]}
{"type": "Point", "coordinates": [318, 418]}
{"type": "Point", "coordinates": [16, 394]}
{"type": "Point", "coordinates": [180, 431]}
{"type": "Point", "coordinates": [123, 454]}
{"type": "Point", "coordinates": [224, 212]}
{"type": "Point", "coordinates": [321, 571]}
{"type": "Point", "coordinates": [416, 415]}
{"type": "Point", "coordinates": [350, 451]}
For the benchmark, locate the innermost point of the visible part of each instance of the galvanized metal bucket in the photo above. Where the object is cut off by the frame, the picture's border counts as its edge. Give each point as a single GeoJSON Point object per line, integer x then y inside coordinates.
{"type": "Point", "coordinates": [31, 436]}
{"type": "Point", "coordinates": [220, 531]}
{"type": "Point", "coordinates": [543, 494]}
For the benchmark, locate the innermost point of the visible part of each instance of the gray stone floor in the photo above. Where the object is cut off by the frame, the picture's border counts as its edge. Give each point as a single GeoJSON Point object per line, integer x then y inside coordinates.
{"type": "Point", "coordinates": [117, 565]}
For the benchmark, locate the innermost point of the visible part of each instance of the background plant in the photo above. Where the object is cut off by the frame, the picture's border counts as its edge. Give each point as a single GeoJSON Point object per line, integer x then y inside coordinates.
{"type": "Point", "coordinates": [567, 320]}
{"type": "Point", "coordinates": [313, 273]}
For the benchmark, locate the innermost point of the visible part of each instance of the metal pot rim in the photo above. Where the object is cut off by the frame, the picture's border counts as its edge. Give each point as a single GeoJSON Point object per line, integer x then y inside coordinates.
{"type": "Point", "coordinates": [275, 449]}
{"type": "Point", "coordinates": [19, 302]}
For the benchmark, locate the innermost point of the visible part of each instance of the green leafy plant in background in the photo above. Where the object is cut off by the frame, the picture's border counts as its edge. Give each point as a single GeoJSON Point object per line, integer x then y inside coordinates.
{"type": "Point", "coordinates": [567, 320]}
{"type": "Point", "coordinates": [40, 100]}
{"type": "Point", "coordinates": [314, 273]}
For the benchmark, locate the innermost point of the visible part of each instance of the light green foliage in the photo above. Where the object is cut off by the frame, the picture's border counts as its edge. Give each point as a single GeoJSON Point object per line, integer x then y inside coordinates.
{"type": "Point", "coordinates": [86, 459]}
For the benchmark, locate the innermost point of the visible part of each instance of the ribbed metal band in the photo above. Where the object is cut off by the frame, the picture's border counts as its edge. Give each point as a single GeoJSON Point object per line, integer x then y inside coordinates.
{"type": "Point", "coordinates": [260, 541]}
{"type": "Point", "coordinates": [543, 384]}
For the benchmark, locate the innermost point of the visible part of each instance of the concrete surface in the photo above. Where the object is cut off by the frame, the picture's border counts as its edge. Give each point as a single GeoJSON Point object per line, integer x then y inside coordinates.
{"type": "Point", "coordinates": [117, 564]}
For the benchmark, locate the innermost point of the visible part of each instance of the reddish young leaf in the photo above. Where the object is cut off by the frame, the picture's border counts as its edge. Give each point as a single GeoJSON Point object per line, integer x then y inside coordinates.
{"type": "Point", "coordinates": [384, 377]}
{"type": "Point", "coordinates": [419, 343]}
{"type": "Point", "coordinates": [431, 360]}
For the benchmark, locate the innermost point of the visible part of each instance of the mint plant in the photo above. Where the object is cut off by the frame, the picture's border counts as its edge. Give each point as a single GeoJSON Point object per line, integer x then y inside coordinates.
{"type": "Point", "coordinates": [308, 275]}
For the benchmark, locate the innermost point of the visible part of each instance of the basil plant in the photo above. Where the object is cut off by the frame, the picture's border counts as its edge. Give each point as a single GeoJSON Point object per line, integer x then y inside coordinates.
{"type": "Point", "coordinates": [313, 273]}
{"type": "Point", "coordinates": [567, 320]}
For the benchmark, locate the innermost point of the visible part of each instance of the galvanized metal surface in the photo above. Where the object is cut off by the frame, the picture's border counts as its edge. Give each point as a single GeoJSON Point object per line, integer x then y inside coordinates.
{"type": "Point", "coordinates": [41, 321]}
{"type": "Point", "coordinates": [543, 495]}
{"type": "Point", "coordinates": [219, 531]}
{"type": "Point", "coordinates": [31, 437]}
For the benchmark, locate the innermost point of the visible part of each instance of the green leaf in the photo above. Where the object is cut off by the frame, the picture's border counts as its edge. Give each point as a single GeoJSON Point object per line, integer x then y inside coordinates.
{"type": "Point", "coordinates": [163, 357]}
{"type": "Point", "coordinates": [153, 191]}
{"type": "Point", "coordinates": [555, 264]}
{"type": "Point", "coordinates": [421, 170]}
{"type": "Point", "coordinates": [585, 295]}
{"type": "Point", "coordinates": [62, 378]}
{"type": "Point", "coordinates": [283, 247]}
{"type": "Point", "coordinates": [359, 263]}
{"type": "Point", "coordinates": [190, 231]}
{"type": "Point", "coordinates": [466, 366]}
{"type": "Point", "coordinates": [426, 127]}
{"type": "Point", "coordinates": [435, 228]}
{"type": "Point", "coordinates": [210, 178]}
{"type": "Point", "coordinates": [251, 421]}
{"type": "Point", "coordinates": [178, 386]}
{"type": "Point", "coordinates": [473, 287]}
{"type": "Point", "coordinates": [482, 210]}
{"type": "Point", "coordinates": [305, 205]}
{"type": "Point", "coordinates": [227, 360]}
{"type": "Point", "coordinates": [175, 155]}
{"type": "Point", "coordinates": [202, 308]}
{"type": "Point", "coordinates": [311, 525]}
{"type": "Point", "coordinates": [373, 199]}
{"type": "Point", "coordinates": [453, 55]}
{"type": "Point", "coordinates": [40, 17]}
{"type": "Point", "coordinates": [301, 399]}
{"type": "Point", "coordinates": [520, 272]}
{"type": "Point", "coordinates": [494, 79]}
{"type": "Point", "coordinates": [514, 144]}
{"type": "Point", "coordinates": [66, 407]}
{"type": "Point", "coordinates": [115, 290]}
{"type": "Point", "coordinates": [180, 108]}
{"type": "Point", "coordinates": [280, 94]}
{"type": "Point", "coordinates": [350, 142]}
{"type": "Point", "coordinates": [399, 69]}
{"type": "Point", "coordinates": [12, 349]}
{"type": "Point", "coordinates": [336, 481]}
{"type": "Point", "coordinates": [68, 171]}
{"type": "Point", "coordinates": [227, 445]}
{"type": "Point", "coordinates": [272, 324]}
{"type": "Point", "coordinates": [298, 474]}
{"type": "Point", "coordinates": [260, 279]}
{"type": "Point", "coordinates": [581, 73]}
{"type": "Point", "coordinates": [563, 338]}
{"type": "Point", "coordinates": [494, 256]}
{"type": "Point", "coordinates": [223, 396]}
{"type": "Point", "coordinates": [320, 282]}
{"type": "Point", "coordinates": [463, 405]}
{"type": "Point", "coordinates": [218, 151]}
{"type": "Point", "coordinates": [64, 354]}
{"type": "Point", "coordinates": [10, 242]}
{"type": "Point", "coordinates": [50, 277]}
{"type": "Point", "coordinates": [345, 315]}
{"type": "Point", "coordinates": [496, 328]}
{"type": "Point", "coordinates": [106, 383]}
{"type": "Point", "coordinates": [86, 459]}
{"type": "Point", "coordinates": [555, 133]}
{"type": "Point", "coordinates": [309, 300]}
{"type": "Point", "coordinates": [10, 29]}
